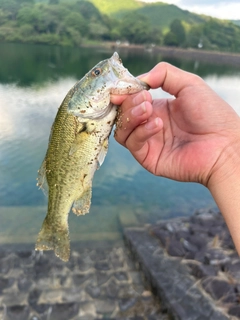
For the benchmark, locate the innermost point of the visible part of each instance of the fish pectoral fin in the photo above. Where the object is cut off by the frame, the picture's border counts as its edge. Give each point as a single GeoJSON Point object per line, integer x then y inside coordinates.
{"type": "Point", "coordinates": [102, 153]}
{"type": "Point", "coordinates": [52, 237]}
{"type": "Point", "coordinates": [42, 179]}
{"type": "Point", "coordinates": [82, 126]}
{"type": "Point", "coordinates": [82, 205]}
{"type": "Point", "coordinates": [91, 125]}
{"type": "Point", "coordinates": [86, 126]}
{"type": "Point", "coordinates": [80, 137]}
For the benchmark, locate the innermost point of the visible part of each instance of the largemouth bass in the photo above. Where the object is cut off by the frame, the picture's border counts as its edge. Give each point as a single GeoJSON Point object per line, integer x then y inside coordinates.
{"type": "Point", "coordinates": [77, 146]}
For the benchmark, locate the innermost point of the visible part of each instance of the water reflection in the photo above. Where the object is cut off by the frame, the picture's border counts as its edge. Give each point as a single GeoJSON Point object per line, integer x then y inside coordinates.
{"type": "Point", "coordinates": [33, 82]}
{"type": "Point", "coordinates": [26, 118]}
{"type": "Point", "coordinates": [227, 87]}
{"type": "Point", "coordinates": [35, 64]}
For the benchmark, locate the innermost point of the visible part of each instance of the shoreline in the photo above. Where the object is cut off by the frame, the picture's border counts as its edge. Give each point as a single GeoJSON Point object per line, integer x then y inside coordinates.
{"type": "Point", "coordinates": [215, 57]}
{"type": "Point", "coordinates": [207, 56]}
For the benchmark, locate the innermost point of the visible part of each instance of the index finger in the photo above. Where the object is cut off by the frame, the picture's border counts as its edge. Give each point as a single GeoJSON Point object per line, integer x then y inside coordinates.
{"type": "Point", "coordinates": [118, 99]}
{"type": "Point", "coordinates": [171, 79]}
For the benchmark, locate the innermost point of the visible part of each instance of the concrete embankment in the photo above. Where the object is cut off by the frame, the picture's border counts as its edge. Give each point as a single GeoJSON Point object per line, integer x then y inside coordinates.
{"type": "Point", "coordinates": [191, 264]}
{"type": "Point", "coordinates": [202, 55]}
{"type": "Point", "coordinates": [215, 57]}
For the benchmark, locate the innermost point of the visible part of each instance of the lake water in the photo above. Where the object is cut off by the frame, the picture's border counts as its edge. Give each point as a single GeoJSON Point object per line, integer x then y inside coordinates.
{"type": "Point", "coordinates": [33, 82]}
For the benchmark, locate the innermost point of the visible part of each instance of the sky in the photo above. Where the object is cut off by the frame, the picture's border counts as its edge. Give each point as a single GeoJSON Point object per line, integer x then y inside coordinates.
{"type": "Point", "coordinates": [228, 9]}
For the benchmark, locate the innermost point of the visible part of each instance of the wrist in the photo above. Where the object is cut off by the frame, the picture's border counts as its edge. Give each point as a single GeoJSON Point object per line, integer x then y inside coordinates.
{"type": "Point", "coordinates": [227, 165]}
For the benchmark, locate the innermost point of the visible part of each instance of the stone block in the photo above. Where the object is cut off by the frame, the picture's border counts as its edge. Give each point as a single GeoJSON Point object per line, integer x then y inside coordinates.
{"type": "Point", "coordinates": [171, 279]}
{"type": "Point", "coordinates": [17, 313]}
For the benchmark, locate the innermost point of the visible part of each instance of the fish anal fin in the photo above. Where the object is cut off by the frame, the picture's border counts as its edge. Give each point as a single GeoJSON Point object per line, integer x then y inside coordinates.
{"type": "Point", "coordinates": [54, 238]}
{"type": "Point", "coordinates": [42, 179]}
{"type": "Point", "coordinates": [82, 205]}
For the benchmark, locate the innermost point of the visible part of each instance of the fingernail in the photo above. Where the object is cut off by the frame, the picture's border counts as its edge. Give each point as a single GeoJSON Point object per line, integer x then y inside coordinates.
{"type": "Point", "coordinates": [139, 110]}
{"type": "Point", "coordinates": [140, 97]}
{"type": "Point", "coordinates": [152, 124]}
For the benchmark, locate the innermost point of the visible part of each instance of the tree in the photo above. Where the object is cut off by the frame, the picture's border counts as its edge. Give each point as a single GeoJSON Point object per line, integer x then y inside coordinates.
{"type": "Point", "coordinates": [26, 30]}
{"type": "Point", "coordinates": [170, 39]}
{"type": "Point", "coordinates": [53, 2]}
{"type": "Point", "coordinates": [88, 10]}
{"type": "Point", "coordinates": [135, 28]}
{"type": "Point", "coordinates": [26, 2]}
{"type": "Point", "coordinates": [26, 15]}
{"type": "Point", "coordinates": [178, 29]}
{"type": "Point", "coordinates": [155, 36]}
{"type": "Point", "coordinates": [97, 31]}
{"type": "Point", "coordinates": [44, 18]}
{"type": "Point", "coordinates": [3, 17]}
{"type": "Point", "coordinates": [195, 36]}
{"type": "Point", "coordinates": [177, 35]}
{"type": "Point", "coordinates": [222, 35]}
{"type": "Point", "coordinates": [76, 21]}
{"type": "Point", "coordinates": [11, 7]}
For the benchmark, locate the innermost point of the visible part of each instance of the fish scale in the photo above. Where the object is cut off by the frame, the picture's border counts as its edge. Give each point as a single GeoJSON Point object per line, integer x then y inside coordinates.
{"type": "Point", "coordinates": [77, 146]}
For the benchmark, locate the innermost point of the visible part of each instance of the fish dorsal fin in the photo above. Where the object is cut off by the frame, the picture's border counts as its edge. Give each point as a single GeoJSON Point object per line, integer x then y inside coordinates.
{"type": "Point", "coordinates": [42, 179]}
{"type": "Point", "coordinates": [102, 153]}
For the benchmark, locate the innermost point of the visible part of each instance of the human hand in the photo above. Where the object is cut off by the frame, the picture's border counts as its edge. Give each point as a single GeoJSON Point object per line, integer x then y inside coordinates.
{"type": "Point", "coordinates": [190, 138]}
{"type": "Point", "coordinates": [194, 137]}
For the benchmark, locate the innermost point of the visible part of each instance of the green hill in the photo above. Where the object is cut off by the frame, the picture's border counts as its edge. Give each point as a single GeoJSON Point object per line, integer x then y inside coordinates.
{"type": "Point", "coordinates": [236, 22]}
{"type": "Point", "coordinates": [169, 25]}
{"type": "Point", "coordinates": [115, 7]}
{"type": "Point", "coordinates": [78, 22]}
{"type": "Point", "coordinates": [160, 14]}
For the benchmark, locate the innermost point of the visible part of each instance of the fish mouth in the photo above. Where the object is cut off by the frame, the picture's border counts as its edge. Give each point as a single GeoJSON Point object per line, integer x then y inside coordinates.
{"type": "Point", "coordinates": [145, 85]}
{"type": "Point", "coordinates": [123, 81]}
{"type": "Point", "coordinates": [129, 86]}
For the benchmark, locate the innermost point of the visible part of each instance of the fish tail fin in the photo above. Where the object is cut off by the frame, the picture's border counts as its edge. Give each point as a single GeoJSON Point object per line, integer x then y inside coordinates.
{"type": "Point", "coordinates": [54, 238]}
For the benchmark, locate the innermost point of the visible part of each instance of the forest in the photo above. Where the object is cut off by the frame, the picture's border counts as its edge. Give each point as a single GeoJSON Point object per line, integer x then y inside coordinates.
{"type": "Point", "coordinates": [80, 22]}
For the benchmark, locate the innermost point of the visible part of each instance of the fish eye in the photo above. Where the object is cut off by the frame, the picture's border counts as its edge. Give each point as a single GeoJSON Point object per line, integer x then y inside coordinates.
{"type": "Point", "coordinates": [96, 72]}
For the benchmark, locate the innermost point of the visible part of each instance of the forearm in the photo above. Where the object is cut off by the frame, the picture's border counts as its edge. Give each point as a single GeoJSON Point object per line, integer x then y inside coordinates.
{"type": "Point", "coordinates": [225, 190]}
{"type": "Point", "coordinates": [227, 198]}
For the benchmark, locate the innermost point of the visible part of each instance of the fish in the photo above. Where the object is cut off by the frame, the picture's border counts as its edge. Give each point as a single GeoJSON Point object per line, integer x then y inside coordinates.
{"type": "Point", "coordinates": [77, 147]}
